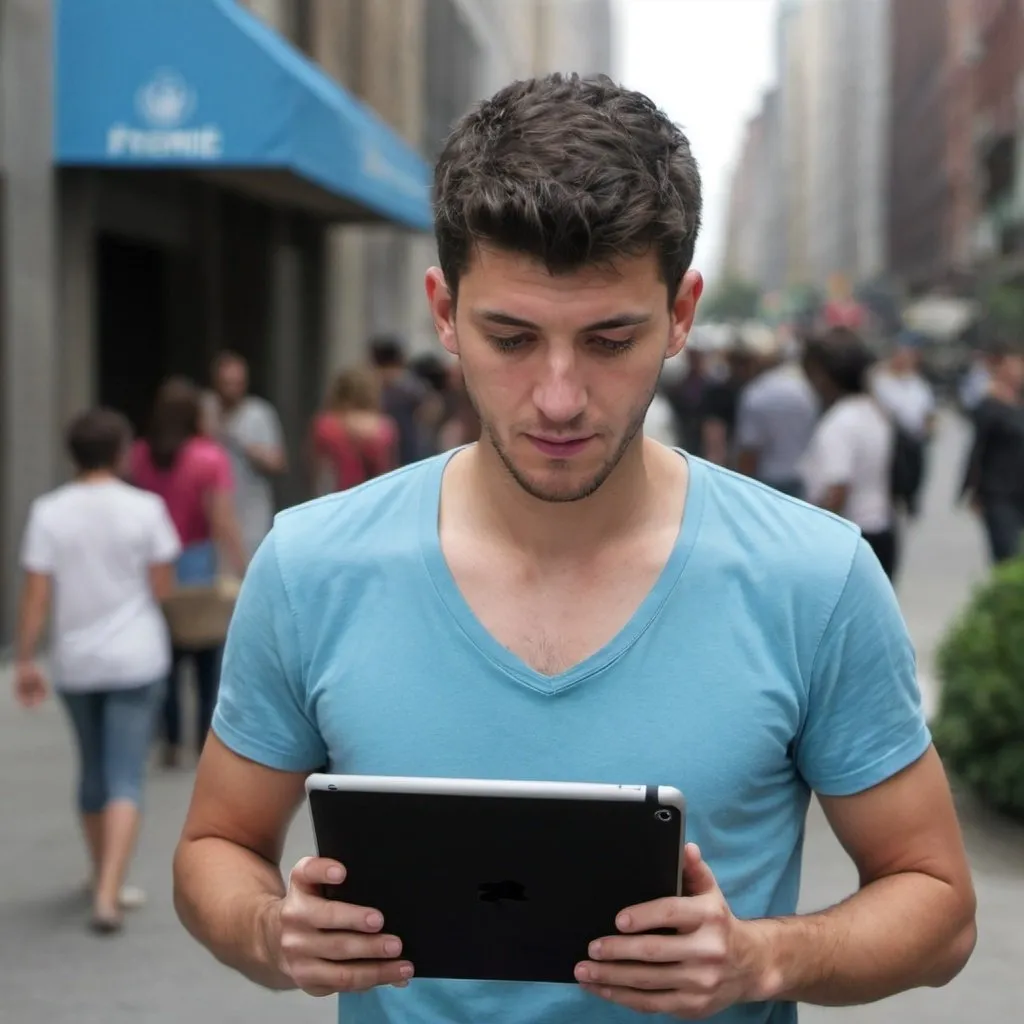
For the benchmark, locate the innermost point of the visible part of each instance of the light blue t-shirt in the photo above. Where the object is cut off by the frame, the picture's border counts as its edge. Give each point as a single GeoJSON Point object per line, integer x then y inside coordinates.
{"type": "Point", "coordinates": [770, 659]}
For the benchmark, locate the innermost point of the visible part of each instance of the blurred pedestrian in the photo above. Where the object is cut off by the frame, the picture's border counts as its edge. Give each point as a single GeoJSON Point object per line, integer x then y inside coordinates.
{"type": "Point", "coordinates": [775, 420]}
{"type": "Point", "coordinates": [902, 389]}
{"type": "Point", "coordinates": [101, 552]}
{"type": "Point", "coordinates": [249, 429]}
{"type": "Point", "coordinates": [994, 480]}
{"type": "Point", "coordinates": [192, 473]}
{"type": "Point", "coordinates": [721, 398]}
{"type": "Point", "coordinates": [352, 441]}
{"type": "Point", "coordinates": [848, 464]}
{"type": "Point", "coordinates": [414, 406]}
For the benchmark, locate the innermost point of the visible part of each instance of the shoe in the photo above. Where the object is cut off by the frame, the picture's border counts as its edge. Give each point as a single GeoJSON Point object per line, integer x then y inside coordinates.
{"type": "Point", "coordinates": [131, 897]}
{"type": "Point", "coordinates": [103, 924]}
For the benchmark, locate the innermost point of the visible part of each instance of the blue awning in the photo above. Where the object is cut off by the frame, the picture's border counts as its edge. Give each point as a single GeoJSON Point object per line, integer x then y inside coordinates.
{"type": "Point", "coordinates": [205, 85]}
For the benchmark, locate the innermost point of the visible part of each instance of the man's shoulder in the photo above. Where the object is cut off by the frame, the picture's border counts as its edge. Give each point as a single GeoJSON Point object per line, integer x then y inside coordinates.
{"type": "Point", "coordinates": [257, 408]}
{"type": "Point", "coordinates": [354, 523]}
{"type": "Point", "coordinates": [775, 532]}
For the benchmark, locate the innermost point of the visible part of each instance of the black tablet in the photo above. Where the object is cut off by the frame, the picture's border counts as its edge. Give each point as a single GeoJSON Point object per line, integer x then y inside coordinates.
{"type": "Point", "coordinates": [497, 880]}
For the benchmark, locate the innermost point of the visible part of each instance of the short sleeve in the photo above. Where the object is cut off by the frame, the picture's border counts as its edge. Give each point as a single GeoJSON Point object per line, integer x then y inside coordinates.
{"type": "Point", "coordinates": [836, 447]}
{"type": "Point", "coordinates": [165, 543]}
{"type": "Point", "coordinates": [262, 711]}
{"type": "Point", "coordinates": [37, 546]}
{"type": "Point", "coordinates": [864, 720]}
{"type": "Point", "coordinates": [750, 427]}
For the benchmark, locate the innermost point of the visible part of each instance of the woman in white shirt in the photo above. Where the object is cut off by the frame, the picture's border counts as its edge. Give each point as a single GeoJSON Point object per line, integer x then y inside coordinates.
{"type": "Point", "coordinates": [101, 551]}
{"type": "Point", "coordinates": [847, 468]}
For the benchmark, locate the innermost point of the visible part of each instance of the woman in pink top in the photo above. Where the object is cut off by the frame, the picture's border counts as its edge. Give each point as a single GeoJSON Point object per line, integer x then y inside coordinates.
{"type": "Point", "coordinates": [193, 476]}
{"type": "Point", "coordinates": [352, 441]}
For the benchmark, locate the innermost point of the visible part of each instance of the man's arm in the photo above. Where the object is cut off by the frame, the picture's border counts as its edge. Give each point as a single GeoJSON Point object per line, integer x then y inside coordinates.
{"type": "Point", "coordinates": [265, 446]}
{"type": "Point", "coordinates": [227, 874]}
{"type": "Point", "coordinates": [228, 887]}
{"type": "Point", "coordinates": [911, 924]}
{"type": "Point", "coordinates": [865, 750]}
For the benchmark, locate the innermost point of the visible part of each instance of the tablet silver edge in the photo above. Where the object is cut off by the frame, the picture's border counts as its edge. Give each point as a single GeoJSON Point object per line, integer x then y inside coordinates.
{"type": "Point", "coordinates": [485, 787]}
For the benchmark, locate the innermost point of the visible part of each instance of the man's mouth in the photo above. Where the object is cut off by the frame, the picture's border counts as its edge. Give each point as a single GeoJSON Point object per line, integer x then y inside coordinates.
{"type": "Point", "coordinates": [560, 447]}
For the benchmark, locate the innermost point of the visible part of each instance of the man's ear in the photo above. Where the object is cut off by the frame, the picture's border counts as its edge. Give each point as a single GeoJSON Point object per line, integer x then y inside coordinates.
{"type": "Point", "coordinates": [684, 309]}
{"type": "Point", "coordinates": [442, 309]}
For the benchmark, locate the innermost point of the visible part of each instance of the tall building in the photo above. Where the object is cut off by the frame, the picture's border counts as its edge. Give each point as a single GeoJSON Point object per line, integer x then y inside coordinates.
{"type": "Point", "coordinates": [753, 201]}
{"type": "Point", "coordinates": [809, 196]}
{"type": "Point", "coordinates": [848, 91]}
{"type": "Point", "coordinates": [918, 179]}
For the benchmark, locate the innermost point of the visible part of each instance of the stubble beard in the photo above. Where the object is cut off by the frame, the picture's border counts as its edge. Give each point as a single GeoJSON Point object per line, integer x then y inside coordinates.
{"type": "Point", "coordinates": [588, 487]}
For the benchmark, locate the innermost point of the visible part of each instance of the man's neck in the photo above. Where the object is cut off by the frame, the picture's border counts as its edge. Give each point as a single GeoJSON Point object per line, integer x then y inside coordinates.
{"type": "Point", "coordinates": [96, 476]}
{"type": "Point", "coordinates": [563, 531]}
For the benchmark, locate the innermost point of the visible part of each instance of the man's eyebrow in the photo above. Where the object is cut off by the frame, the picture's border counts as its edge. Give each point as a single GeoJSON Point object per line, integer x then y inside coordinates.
{"type": "Point", "coordinates": [496, 316]}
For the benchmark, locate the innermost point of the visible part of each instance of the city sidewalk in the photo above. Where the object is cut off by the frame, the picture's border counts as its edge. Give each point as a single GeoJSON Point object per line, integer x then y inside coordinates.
{"type": "Point", "coordinates": [52, 970]}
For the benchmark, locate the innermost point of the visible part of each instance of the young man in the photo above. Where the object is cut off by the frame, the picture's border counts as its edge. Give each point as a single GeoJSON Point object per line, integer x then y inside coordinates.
{"type": "Point", "coordinates": [565, 600]}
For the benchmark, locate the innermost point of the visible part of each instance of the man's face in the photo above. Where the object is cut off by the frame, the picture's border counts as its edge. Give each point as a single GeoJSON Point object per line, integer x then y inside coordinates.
{"type": "Point", "coordinates": [231, 382]}
{"type": "Point", "coordinates": [561, 369]}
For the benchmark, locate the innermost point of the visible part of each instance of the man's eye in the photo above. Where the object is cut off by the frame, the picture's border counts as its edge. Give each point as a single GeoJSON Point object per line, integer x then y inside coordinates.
{"type": "Point", "coordinates": [505, 343]}
{"type": "Point", "coordinates": [614, 347]}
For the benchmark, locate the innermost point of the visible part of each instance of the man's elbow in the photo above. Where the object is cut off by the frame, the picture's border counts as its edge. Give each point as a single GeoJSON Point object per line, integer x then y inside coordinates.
{"type": "Point", "coordinates": [957, 951]}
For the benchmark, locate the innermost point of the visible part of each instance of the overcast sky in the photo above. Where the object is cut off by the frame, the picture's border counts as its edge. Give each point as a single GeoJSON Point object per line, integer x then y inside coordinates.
{"type": "Point", "coordinates": [706, 63]}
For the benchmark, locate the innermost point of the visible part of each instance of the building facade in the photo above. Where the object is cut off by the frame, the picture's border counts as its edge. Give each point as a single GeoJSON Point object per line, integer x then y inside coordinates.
{"type": "Point", "coordinates": [919, 167]}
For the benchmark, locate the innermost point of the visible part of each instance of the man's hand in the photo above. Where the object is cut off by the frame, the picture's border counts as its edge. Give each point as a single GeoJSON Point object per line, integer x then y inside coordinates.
{"type": "Point", "coordinates": [30, 686]}
{"type": "Point", "coordinates": [326, 946]}
{"type": "Point", "coordinates": [711, 962]}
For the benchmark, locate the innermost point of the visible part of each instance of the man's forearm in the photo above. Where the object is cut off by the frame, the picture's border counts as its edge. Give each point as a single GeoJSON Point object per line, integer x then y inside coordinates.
{"type": "Point", "coordinates": [902, 932]}
{"type": "Point", "coordinates": [225, 896]}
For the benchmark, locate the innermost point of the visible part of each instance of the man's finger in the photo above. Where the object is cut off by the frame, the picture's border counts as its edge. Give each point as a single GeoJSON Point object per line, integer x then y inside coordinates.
{"type": "Point", "coordinates": [337, 916]}
{"type": "Point", "coordinates": [648, 949]}
{"type": "Point", "coordinates": [698, 879]}
{"type": "Point", "coordinates": [646, 977]}
{"type": "Point", "coordinates": [312, 872]}
{"type": "Point", "coordinates": [322, 977]}
{"type": "Point", "coordinates": [680, 913]}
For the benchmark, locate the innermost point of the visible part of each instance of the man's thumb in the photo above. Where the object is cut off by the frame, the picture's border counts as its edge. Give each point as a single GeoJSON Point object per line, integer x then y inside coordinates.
{"type": "Point", "coordinates": [697, 876]}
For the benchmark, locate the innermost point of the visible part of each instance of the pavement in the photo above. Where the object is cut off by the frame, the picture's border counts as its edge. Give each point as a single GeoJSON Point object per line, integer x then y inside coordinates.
{"type": "Point", "coordinates": [53, 971]}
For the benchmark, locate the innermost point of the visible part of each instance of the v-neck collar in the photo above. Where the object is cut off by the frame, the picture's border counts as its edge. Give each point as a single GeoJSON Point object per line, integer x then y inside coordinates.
{"type": "Point", "coordinates": [499, 655]}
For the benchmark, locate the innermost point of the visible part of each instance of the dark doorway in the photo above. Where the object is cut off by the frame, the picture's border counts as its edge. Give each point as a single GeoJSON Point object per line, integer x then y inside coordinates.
{"type": "Point", "coordinates": [132, 324]}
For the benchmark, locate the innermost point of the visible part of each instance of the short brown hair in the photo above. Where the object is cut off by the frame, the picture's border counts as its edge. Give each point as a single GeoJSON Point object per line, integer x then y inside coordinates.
{"type": "Point", "coordinates": [97, 439]}
{"type": "Point", "coordinates": [355, 389]}
{"type": "Point", "coordinates": [572, 172]}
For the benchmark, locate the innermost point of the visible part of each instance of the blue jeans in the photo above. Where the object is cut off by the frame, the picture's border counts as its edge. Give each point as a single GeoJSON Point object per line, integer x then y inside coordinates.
{"type": "Point", "coordinates": [196, 565]}
{"type": "Point", "coordinates": [114, 729]}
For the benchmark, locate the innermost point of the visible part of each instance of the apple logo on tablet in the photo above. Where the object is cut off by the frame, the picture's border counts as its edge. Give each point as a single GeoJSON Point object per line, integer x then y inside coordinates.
{"type": "Point", "coordinates": [498, 892]}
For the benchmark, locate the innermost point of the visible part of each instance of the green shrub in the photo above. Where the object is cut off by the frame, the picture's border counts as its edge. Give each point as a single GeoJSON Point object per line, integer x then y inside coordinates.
{"type": "Point", "coordinates": [980, 726]}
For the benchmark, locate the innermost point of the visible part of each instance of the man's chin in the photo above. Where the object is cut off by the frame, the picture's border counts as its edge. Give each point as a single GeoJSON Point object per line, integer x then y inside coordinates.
{"type": "Point", "coordinates": [559, 487]}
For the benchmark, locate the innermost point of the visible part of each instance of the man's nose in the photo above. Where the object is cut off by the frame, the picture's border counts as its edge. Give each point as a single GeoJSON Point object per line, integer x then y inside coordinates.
{"type": "Point", "coordinates": [560, 395]}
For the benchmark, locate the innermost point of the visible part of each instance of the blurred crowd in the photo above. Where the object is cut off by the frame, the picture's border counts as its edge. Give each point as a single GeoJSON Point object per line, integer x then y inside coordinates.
{"type": "Point", "coordinates": [848, 425]}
